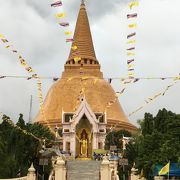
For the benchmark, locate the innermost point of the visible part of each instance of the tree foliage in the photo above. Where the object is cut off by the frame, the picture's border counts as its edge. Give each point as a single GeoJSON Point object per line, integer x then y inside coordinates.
{"type": "Point", "coordinates": [157, 143]}
{"type": "Point", "coordinates": [17, 149]}
{"type": "Point", "coordinates": [114, 138]}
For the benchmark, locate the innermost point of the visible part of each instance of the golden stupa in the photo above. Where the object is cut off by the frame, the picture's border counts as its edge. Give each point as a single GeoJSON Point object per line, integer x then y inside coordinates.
{"type": "Point", "coordinates": [83, 77]}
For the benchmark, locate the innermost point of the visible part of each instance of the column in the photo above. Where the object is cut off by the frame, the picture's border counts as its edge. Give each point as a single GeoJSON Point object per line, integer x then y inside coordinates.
{"type": "Point", "coordinates": [105, 170]}
{"type": "Point", "coordinates": [31, 173]}
{"type": "Point", "coordinates": [60, 170]}
{"type": "Point", "coordinates": [73, 145]}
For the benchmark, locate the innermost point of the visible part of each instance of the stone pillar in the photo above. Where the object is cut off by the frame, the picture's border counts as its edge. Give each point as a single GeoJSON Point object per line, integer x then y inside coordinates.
{"type": "Point", "coordinates": [158, 178]}
{"type": "Point", "coordinates": [95, 142]}
{"type": "Point", "coordinates": [105, 170]}
{"type": "Point", "coordinates": [31, 173]}
{"type": "Point", "coordinates": [113, 169]}
{"type": "Point", "coordinates": [134, 176]}
{"type": "Point", "coordinates": [64, 143]}
{"type": "Point", "coordinates": [73, 145]}
{"type": "Point", "coordinates": [60, 170]}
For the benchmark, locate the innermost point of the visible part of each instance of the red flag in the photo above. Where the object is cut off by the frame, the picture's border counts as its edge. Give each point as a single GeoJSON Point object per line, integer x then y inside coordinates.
{"type": "Point", "coordinates": [110, 80]}
{"type": "Point", "coordinates": [56, 4]}
{"type": "Point", "coordinates": [136, 80]}
{"type": "Point", "coordinates": [64, 24]}
{"type": "Point", "coordinates": [55, 79]}
{"type": "Point", "coordinates": [69, 40]}
{"type": "Point", "coordinates": [4, 40]}
{"type": "Point", "coordinates": [130, 61]}
{"type": "Point", "coordinates": [132, 15]}
{"type": "Point", "coordinates": [132, 48]}
{"type": "Point", "coordinates": [14, 51]}
{"type": "Point", "coordinates": [131, 35]}
{"type": "Point", "coordinates": [130, 69]}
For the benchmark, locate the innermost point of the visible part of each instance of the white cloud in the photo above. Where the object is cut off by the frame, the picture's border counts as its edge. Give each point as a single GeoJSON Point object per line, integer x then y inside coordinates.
{"type": "Point", "coordinates": [32, 28]}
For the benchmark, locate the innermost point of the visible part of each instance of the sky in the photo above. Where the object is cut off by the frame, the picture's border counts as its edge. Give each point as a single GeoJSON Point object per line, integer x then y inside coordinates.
{"type": "Point", "coordinates": [31, 27]}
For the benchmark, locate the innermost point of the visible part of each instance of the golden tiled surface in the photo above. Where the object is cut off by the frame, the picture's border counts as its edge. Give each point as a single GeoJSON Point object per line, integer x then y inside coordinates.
{"type": "Point", "coordinates": [64, 94]}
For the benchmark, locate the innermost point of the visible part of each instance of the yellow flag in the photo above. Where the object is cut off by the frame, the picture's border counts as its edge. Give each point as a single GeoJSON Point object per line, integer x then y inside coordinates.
{"type": "Point", "coordinates": [134, 25]}
{"type": "Point", "coordinates": [74, 48]}
{"type": "Point", "coordinates": [60, 15]}
{"type": "Point", "coordinates": [7, 46]}
{"type": "Point", "coordinates": [76, 59]}
{"type": "Point", "coordinates": [130, 54]}
{"type": "Point", "coordinates": [67, 32]}
{"type": "Point", "coordinates": [132, 4]}
{"type": "Point", "coordinates": [130, 74]}
{"type": "Point", "coordinates": [1, 36]}
{"type": "Point", "coordinates": [176, 78]}
{"type": "Point", "coordinates": [131, 42]}
{"type": "Point", "coordinates": [165, 169]}
{"type": "Point", "coordinates": [130, 65]}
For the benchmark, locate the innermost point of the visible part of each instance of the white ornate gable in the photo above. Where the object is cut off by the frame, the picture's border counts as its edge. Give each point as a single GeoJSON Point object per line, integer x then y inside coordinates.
{"type": "Point", "coordinates": [84, 109]}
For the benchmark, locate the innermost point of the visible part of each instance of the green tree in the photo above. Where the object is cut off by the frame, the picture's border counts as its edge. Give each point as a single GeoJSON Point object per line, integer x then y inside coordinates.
{"type": "Point", "coordinates": [158, 142]}
{"type": "Point", "coordinates": [18, 149]}
{"type": "Point", "coordinates": [114, 138]}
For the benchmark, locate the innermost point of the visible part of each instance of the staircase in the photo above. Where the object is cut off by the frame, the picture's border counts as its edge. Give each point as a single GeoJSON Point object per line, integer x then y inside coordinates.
{"type": "Point", "coordinates": [83, 170]}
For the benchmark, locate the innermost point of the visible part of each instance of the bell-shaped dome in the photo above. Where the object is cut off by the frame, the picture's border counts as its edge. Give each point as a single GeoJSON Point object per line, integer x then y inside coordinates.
{"type": "Point", "coordinates": [83, 76]}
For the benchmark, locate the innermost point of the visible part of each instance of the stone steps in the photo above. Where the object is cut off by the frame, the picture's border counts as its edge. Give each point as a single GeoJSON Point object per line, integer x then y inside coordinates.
{"type": "Point", "coordinates": [83, 170]}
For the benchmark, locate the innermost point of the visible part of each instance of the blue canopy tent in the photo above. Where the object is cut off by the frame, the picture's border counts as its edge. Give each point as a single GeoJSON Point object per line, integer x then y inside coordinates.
{"type": "Point", "coordinates": [174, 169]}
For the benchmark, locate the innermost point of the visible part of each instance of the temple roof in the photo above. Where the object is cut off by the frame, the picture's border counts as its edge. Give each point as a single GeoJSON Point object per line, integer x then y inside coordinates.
{"type": "Point", "coordinates": [85, 74]}
{"type": "Point", "coordinates": [82, 37]}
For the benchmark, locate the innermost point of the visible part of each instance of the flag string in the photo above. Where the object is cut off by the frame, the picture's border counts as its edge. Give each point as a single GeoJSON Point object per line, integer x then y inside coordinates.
{"type": "Point", "coordinates": [30, 70]}
{"type": "Point", "coordinates": [90, 77]}
{"type": "Point", "coordinates": [10, 122]}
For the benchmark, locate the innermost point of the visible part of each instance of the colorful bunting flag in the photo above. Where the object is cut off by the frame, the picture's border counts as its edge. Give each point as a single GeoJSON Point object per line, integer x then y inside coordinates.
{"type": "Point", "coordinates": [131, 42]}
{"type": "Point", "coordinates": [64, 24]}
{"type": "Point", "coordinates": [74, 48]}
{"type": "Point", "coordinates": [29, 69]}
{"type": "Point", "coordinates": [1, 36]}
{"type": "Point", "coordinates": [67, 33]}
{"type": "Point", "coordinates": [8, 46]}
{"type": "Point", "coordinates": [34, 76]}
{"type": "Point", "coordinates": [133, 4]}
{"type": "Point", "coordinates": [130, 61]}
{"type": "Point", "coordinates": [134, 25]}
{"type": "Point", "coordinates": [55, 79]}
{"type": "Point", "coordinates": [14, 51]}
{"type": "Point", "coordinates": [130, 54]}
{"type": "Point", "coordinates": [134, 15]}
{"type": "Point", "coordinates": [77, 59]}
{"type": "Point", "coordinates": [132, 48]}
{"type": "Point", "coordinates": [110, 80]}
{"type": "Point", "coordinates": [1, 77]}
{"type": "Point", "coordinates": [60, 15]}
{"type": "Point", "coordinates": [23, 62]}
{"type": "Point", "coordinates": [130, 74]}
{"type": "Point", "coordinates": [136, 80]}
{"type": "Point", "coordinates": [131, 35]}
{"type": "Point", "coordinates": [69, 40]}
{"type": "Point", "coordinates": [130, 65]}
{"type": "Point", "coordinates": [56, 4]}
{"type": "Point", "coordinates": [4, 40]}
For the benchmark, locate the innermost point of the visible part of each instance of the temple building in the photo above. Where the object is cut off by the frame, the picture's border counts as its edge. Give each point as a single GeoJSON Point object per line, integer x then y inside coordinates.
{"type": "Point", "coordinates": [81, 102]}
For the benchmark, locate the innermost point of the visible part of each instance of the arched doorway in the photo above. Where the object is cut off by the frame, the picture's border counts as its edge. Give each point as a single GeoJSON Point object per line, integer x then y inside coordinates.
{"type": "Point", "coordinates": [84, 138]}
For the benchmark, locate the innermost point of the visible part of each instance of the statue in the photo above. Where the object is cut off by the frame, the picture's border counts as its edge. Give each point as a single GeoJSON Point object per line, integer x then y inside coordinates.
{"type": "Point", "coordinates": [83, 143]}
{"type": "Point", "coordinates": [84, 148]}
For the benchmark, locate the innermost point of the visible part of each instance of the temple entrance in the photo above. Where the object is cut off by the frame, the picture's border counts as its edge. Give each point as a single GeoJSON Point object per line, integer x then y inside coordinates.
{"type": "Point", "coordinates": [84, 138]}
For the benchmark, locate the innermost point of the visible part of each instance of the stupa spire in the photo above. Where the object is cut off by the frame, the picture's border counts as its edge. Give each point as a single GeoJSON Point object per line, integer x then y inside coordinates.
{"type": "Point", "coordinates": [83, 39]}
